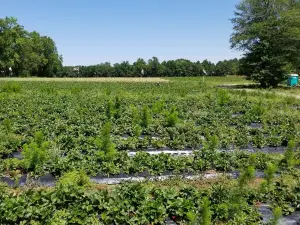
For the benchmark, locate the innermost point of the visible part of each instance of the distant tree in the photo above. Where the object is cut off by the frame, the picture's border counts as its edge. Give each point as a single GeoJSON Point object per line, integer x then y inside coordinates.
{"type": "Point", "coordinates": [154, 68]}
{"type": "Point", "coordinates": [269, 33]}
{"type": "Point", "coordinates": [209, 67]}
{"type": "Point", "coordinates": [123, 69]}
{"type": "Point", "coordinates": [139, 66]}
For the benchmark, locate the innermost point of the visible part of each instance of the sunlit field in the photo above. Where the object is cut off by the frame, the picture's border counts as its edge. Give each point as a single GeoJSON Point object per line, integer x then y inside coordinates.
{"type": "Point", "coordinates": [146, 151]}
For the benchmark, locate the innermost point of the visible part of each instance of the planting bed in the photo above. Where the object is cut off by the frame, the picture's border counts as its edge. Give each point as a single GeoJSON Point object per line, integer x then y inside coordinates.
{"type": "Point", "coordinates": [147, 134]}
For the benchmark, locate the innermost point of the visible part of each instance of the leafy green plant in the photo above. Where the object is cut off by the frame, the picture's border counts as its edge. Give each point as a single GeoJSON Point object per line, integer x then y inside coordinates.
{"type": "Point", "coordinates": [106, 148]}
{"type": "Point", "coordinates": [206, 214]}
{"type": "Point", "coordinates": [246, 175]}
{"type": "Point", "coordinates": [172, 117]}
{"type": "Point", "coordinates": [289, 155]}
{"type": "Point", "coordinates": [35, 155]}
{"type": "Point", "coordinates": [146, 117]}
{"type": "Point", "coordinates": [270, 172]}
{"type": "Point", "coordinates": [223, 97]}
{"type": "Point", "coordinates": [277, 213]}
{"type": "Point", "coordinates": [7, 125]}
{"type": "Point", "coordinates": [39, 138]}
{"type": "Point", "coordinates": [75, 178]}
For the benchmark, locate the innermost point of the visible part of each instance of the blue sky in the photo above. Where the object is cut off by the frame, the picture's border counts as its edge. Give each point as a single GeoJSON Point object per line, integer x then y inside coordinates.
{"type": "Point", "coordinates": [94, 31]}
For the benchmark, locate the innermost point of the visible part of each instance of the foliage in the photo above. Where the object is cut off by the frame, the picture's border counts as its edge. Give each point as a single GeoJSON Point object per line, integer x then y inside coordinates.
{"type": "Point", "coordinates": [106, 149]}
{"type": "Point", "coordinates": [26, 53]}
{"type": "Point", "coordinates": [269, 33]}
{"type": "Point", "coordinates": [35, 155]}
{"type": "Point", "coordinates": [155, 68]}
{"type": "Point", "coordinates": [277, 213]}
{"type": "Point", "coordinates": [75, 178]}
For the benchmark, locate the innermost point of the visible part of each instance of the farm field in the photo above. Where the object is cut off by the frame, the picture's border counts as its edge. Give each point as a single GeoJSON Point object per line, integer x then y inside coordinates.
{"type": "Point", "coordinates": [193, 153]}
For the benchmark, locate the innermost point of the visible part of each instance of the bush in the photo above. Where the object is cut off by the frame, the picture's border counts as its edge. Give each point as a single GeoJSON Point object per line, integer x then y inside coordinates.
{"type": "Point", "coordinates": [146, 117]}
{"type": "Point", "coordinates": [35, 155]}
{"type": "Point", "coordinates": [172, 117]}
{"type": "Point", "coordinates": [106, 149]}
{"type": "Point", "coordinates": [75, 178]}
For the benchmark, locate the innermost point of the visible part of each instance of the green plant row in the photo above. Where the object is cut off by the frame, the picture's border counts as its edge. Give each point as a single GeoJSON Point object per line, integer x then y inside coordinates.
{"type": "Point", "coordinates": [75, 200]}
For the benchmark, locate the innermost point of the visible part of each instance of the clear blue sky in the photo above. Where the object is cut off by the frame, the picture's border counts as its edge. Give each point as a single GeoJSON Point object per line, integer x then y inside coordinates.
{"type": "Point", "coordinates": [94, 31]}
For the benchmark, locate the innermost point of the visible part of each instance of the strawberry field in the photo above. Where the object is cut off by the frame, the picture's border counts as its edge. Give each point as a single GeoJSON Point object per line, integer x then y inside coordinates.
{"type": "Point", "coordinates": [177, 152]}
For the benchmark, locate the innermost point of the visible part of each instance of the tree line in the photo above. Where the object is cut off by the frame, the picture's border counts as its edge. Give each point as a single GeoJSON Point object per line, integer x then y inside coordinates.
{"type": "Point", "coordinates": [24, 53]}
{"type": "Point", "coordinates": [267, 31]}
{"type": "Point", "coordinates": [154, 68]}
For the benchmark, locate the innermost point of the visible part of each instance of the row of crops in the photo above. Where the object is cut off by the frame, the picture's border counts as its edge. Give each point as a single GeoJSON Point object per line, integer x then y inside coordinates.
{"type": "Point", "coordinates": [50, 130]}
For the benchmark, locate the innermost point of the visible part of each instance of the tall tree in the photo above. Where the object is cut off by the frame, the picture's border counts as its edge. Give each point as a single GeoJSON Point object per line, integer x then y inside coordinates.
{"type": "Point", "coordinates": [10, 33]}
{"type": "Point", "coordinates": [269, 33]}
{"type": "Point", "coordinates": [27, 53]}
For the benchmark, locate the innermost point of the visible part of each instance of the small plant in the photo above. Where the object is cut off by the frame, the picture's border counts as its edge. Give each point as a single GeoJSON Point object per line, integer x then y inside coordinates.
{"type": "Point", "coordinates": [258, 109]}
{"type": "Point", "coordinates": [289, 155]}
{"type": "Point", "coordinates": [206, 212]}
{"type": "Point", "coordinates": [75, 178]}
{"type": "Point", "coordinates": [158, 106]}
{"type": "Point", "coordinates": [104, 144]}
{"type": "Point", "coordinates": [39, 138]}
{"type": "Point", "coordinates": [223, 97]}
{"type": "Point", "coordinates": [172, 117]}
{"type": "Point", "coordinates": [270, 172]}
{"type": "Point", "coordinates": [117, 103]}
{"type": "Point", "coordinates": [137, 130]}
{"type": "Point", "coordinates": [7, 125]}
{"type": "Point", "coordinates": [246, 175]}
{"type": "Point", "coordinates": [277, 213]}
{"type": "Point", "coordinates": [213, 142]}
{"type": "Point", "coordinates": [109, 109]}
{"type": "Point", "coordinates": [35, 155]}
{"type": "Point", "coordinates": [135, 115]}
{"type": "Point", "coordinates": [146, 117]}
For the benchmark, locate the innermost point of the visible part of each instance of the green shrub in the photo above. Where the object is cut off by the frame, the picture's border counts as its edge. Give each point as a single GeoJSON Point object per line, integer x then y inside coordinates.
{"type": "Point", "coordinates": [289, 155]}
{"type": "Point", "coordinates": [106, 148]}
{"type": "Point", "coordinates": [246, 175]}
{"type": "Point", "coordinates": [7, 125]}
{"type": "Point", "coordinates": [172, 117]}
{"type": "Point", "coordinates": [39, 138]}
{"type": "Point", "coordinates": [35, 155]}
{"type": "Point", "coordinates": [270, 172]}
{"type": "Point", "coordinates": [75, 178]}
{"type": "Point", "coordinates": [146, 117]}
{"type": "Point", "coordinates": [109, 109]}
{"type": "Point", "coordinates": [277, 214]}
{"type": "Point", "coordinates": [206, 214]}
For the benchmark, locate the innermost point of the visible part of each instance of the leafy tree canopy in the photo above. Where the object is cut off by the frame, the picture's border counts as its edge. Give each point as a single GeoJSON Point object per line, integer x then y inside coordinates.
{"type": "Point", "coordinates": [269, 33]}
